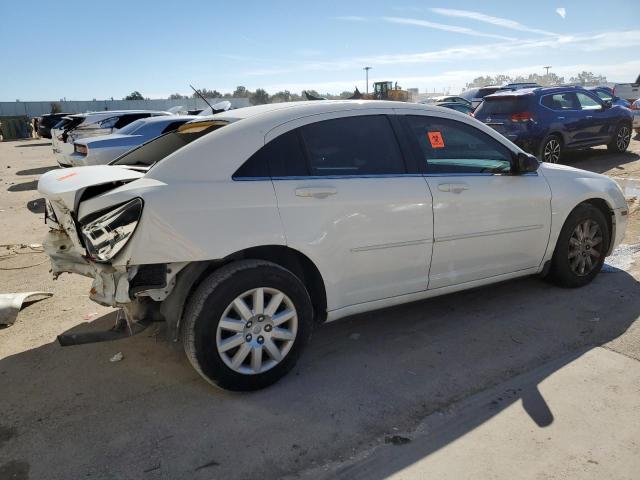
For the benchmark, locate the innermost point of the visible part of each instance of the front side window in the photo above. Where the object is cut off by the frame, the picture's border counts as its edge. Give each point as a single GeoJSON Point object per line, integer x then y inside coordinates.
{"type": "Point", "coordinates": [604, 95]}
{"type": "Point", "coordinates": [361, 145]}
{"type": "Point", "coordinates": [452, 147]}
{"type": "Point", "coordinates": [588, 103]}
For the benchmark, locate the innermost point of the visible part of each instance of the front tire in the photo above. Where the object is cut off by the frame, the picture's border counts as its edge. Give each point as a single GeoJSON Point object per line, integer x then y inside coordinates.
{"type": "Point", "coordinates": [246, 325]}
{"type": "Point", "coordinates": [581, 247]}
{"type": "Point", "coordinates": [551, 149]}
{"type": "Point", "coordinates": [621, 139]}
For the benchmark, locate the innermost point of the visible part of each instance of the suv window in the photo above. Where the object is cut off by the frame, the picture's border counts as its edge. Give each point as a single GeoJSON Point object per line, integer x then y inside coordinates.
{"type": "Point", "coordinates": [604, 95]}
{"type": "Point", "coordinates": [362, 145]}
{"type": "Point", "coordinates": [588, 103]}
{"type": "Point", "coordinates": [502, 105]}
{"type": "Point", "coordinates": [561, 101]}
{"type": "Point", "coordinates": [449, 146]}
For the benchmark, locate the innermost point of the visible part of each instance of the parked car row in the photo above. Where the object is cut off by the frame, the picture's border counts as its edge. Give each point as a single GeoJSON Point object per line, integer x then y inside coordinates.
{"type": "Point", "coordinates": [244, 231]}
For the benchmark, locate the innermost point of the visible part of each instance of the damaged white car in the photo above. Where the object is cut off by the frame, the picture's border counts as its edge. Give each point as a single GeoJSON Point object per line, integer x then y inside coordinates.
{"type": "Point", "coordinates": [244, 230]}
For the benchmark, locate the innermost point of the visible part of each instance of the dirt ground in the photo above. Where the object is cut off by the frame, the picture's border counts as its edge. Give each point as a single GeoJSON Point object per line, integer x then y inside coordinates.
{"type": "Point", "coordinates": [366, 381]}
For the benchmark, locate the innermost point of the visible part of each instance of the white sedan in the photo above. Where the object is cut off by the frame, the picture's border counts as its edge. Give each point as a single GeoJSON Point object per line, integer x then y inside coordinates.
{"type": "Point", "coordinates": [245, 230]}
{"type": "Point", "coordinates": [103, 149]}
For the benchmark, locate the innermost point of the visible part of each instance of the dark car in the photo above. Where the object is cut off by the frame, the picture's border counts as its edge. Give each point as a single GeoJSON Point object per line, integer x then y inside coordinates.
{"type": "Point", "coordinates": [47, 121]}
{"type": "Point", "coordinates": [547, 121]}
{"type": "Point", "coordinates": [475, 95]}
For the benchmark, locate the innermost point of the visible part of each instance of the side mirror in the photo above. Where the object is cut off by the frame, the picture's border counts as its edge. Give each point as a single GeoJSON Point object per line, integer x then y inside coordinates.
{"type": "Point", "coordinates": [606, 104]}
{"type": "Point", "coordinates": [526, 163]}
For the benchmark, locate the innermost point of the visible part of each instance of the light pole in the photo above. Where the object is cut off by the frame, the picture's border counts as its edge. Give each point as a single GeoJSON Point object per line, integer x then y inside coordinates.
{"type": "Point", "coordinates": [366, 70]}
{"type": "Point", "coordinates": [547, 69]}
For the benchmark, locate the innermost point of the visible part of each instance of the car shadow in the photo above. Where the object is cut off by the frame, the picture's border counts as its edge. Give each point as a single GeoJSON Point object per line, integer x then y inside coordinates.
{"type": "Point", "coordinates": [360, 379]}
{"type": "Point", "coordinates": [23, 187]}
{"type": "Point", "coordinates": [598, 160]}
{"type": "Point", "coordinates": [37, 171]}
{"type": "Point", "coordinates": [29, 145]}
{"type": "Point", "coordinates": [36, 206]}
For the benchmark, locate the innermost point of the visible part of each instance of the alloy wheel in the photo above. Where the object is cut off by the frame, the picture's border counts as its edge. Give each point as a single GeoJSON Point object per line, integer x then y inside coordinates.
{"type": "Point", "coordinates": [551, 152]}
{"type": "Point", "coordinates": [585, 247]}
{"type": "Point", "coordinates": [623, 138]}
{"type": "Point", "coordinates": [257, 330]}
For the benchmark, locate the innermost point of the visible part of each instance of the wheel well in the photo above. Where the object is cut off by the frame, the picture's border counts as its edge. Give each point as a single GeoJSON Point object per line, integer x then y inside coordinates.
{"type": "Point", "coordinates": [297, 263]}
{"type": "Point", "coordinates": [607, 211]}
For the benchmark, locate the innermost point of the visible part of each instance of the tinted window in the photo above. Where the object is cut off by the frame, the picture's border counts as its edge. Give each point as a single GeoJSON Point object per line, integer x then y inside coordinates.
{"type": "Point", "coordinates": [127, 119]}
{"type": "Point", "coordinates": [604, 95]}
{"type": "Point", "coordinates": [173, 126]}
{"type": "Point", "coordinates": [561, 101]}
{"type": "Point", "coordinates": [132, 127]}
{"type": "Point", "coordinates": [364, 145]}
{"type": "Point", "coordinates": [281, 157]}
{"type": "Point", "coordinates": [483, 92]}
{"type": "Point", "coordinates": [469, 94]}
{"type": "Point", "coordinates": [502, 105]}
{"type": "Point", "coordinates": [588, 103]}
{"type": "Point", "coordinates": [449, 146]}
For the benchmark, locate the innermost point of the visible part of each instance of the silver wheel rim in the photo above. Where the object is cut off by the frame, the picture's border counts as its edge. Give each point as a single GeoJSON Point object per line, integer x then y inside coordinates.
{"type": "Point", "coordinates": [257, 330]}
{"type": "Point", "coordinates": [623, 138]}
{"type": "Point", "coordinates": [585, 247]}
{"type": "Point", "coordinates": [551, 151]}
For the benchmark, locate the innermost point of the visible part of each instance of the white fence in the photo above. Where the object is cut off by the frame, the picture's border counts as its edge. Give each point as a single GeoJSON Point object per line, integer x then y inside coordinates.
{"type": "Point", "coordinates": [35, 109]}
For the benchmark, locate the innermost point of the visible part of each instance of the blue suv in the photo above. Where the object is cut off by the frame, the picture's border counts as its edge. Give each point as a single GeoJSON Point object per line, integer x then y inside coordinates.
{"type": "Point", "coordinates": [548, 121]}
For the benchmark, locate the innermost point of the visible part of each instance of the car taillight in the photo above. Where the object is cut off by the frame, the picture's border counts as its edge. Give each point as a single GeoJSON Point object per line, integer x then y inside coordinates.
{"type": "Point", "coordinates": [522, 117]}
{"type": "Point", "coordinates": [81, 149]}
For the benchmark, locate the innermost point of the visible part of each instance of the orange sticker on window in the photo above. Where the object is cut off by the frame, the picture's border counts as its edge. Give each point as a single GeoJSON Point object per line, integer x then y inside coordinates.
{"type": "Point", "coordinates": [436, 140]}
{"type": "Point", "coordinates": [69, 175]}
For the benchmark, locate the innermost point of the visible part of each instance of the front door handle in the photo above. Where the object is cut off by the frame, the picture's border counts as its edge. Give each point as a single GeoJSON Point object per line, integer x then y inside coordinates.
{"type": "Point", "coordinates": [316, 192]}
{"type": "Point", "coordinates": [453, 187]}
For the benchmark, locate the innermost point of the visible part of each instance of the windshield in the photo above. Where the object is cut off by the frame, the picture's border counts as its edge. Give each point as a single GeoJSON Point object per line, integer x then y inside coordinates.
{"type": "Point", "coordinates": [155, 150]}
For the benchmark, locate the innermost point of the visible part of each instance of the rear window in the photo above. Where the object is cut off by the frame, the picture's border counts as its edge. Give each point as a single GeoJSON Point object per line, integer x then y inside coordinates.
{"type": "Point", "coordinates": [483, 92]}
{"type": "Point", "coordinates": [132, 127]}
{"type": "Point", "coordinates": [160, 147]}
{"type": "Point", "coordinates": [502, 106]}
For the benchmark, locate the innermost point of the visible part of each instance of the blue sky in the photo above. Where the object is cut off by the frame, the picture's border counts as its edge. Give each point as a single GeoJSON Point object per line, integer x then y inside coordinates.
{"type": "Point", "coordinates": [85, 49]}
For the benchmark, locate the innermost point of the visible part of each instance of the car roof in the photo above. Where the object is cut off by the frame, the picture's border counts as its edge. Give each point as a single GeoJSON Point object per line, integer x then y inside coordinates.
{"type": "Point", "coordinates": [534, 91]}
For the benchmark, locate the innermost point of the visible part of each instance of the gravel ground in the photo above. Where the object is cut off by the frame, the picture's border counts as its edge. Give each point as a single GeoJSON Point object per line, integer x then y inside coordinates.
{"type": "Point", "coordinates": [70, 413]}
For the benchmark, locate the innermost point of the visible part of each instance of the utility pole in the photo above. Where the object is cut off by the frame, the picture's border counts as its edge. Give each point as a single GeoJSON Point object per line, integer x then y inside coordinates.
{"type": "Point", "coordinates": [547, 69]}
{"type": "Point", "coordinates": [366, 70]}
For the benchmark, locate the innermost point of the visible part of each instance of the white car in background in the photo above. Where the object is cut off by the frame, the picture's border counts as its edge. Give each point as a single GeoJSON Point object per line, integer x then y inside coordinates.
{"type": "Point", "coordinates": [103, 149]}
{"type": "Point", "coordinates": [94, 124]}
{"type": "Point", "coordinates": [245, 230]}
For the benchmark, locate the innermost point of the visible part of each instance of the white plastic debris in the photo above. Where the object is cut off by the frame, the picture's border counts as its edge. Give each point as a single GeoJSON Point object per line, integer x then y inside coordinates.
{"type": "Point", "coordinates": [11, 303]}
{"type": "Point", "coordinates": [117, 357]}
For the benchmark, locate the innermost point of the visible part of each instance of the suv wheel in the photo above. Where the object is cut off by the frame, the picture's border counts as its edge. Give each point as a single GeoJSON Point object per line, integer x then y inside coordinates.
{"type": "Point", "coordinates": [551, 149]}
{"type": "Point", "coordinates": [581, 247]}
{"type": "Point", "coordinates": [621, 138]}
{"type": "Point", "coordinates": [246, 325]}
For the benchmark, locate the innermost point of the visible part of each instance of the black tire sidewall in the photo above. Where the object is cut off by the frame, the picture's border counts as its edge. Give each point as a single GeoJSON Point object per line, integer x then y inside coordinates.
{"type": "Point", "coordinates": [544, 143]}
{"type": "Point", "coordinates": [561, 270]}
{"type": "Point", "coordinates": [209, 315]}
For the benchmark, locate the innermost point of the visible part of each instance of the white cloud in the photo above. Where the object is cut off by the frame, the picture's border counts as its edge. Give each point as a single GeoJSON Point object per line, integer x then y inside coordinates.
{"type": "Point", "coordinates": [497, 21]}
{"type": "Point", "coordinates": [442, 26]}
{"type": "Point", "coordinates": [562, 12]}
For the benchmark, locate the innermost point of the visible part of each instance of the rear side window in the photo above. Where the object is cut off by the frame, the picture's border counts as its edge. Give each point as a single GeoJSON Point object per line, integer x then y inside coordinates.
{"type": "Point", "coordinates": [281, 157]}
{"type": "Point", "coordinates": [503, 105]}
{"type": "Point", "coordinates": [362, 145]}
{"type": "Point", "coordinates": [128, 118]}
{"type": "Point", "coordinates": [173, 126]}
{"type": "Point", "coordinates": [452, 147]}
{"type": "Point", "coordinates": [561, 101]}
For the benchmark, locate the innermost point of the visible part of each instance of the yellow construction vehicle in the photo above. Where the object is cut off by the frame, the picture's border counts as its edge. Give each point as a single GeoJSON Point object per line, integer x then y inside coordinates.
{"type": "Point", "coordinates": [387, 91]}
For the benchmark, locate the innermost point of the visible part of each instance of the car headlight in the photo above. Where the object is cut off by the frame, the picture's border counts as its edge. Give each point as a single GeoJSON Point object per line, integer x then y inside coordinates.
{"type": "Point", "coordinates": [105, 236]}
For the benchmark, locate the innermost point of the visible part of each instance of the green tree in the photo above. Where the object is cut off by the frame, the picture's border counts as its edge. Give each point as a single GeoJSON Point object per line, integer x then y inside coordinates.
{"type": "Point", "coordinates": [207, 93]}
{"type": "Point", "coordinates": [177, 96]}
{"type": "Point", "coordinates": [241, 92]}
{"type": "Point", "coordinates": [135, 95]}
{"type": "Point", "coordinates": [588, 79]}
{"type": "Point", "coordinates": [259, 97]}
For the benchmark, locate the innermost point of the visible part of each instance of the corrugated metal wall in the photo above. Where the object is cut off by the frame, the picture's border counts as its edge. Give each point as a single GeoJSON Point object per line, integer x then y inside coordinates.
{"type": "Point", "coordinates": [34, 109]}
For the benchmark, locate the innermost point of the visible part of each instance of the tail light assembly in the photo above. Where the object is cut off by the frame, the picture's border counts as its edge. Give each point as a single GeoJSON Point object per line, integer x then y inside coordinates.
{"type": "Point", "coordinates": [522, 117]}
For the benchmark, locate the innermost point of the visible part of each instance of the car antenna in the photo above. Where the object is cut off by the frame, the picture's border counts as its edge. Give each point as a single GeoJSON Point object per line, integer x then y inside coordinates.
{"type": "Point", "coordinates": [202, 97]}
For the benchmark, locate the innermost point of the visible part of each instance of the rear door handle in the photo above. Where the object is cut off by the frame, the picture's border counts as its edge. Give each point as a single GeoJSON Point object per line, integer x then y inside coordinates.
{"type": "Point", "coordinates": [316, 192]}
{"type": "Point", "coordinates": [453, 187]}
{"type": "Point", "coordinates": [560, 118]}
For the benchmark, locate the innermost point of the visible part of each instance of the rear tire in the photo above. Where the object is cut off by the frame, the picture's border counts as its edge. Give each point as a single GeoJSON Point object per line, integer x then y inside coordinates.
{"type": "Point", "coordinates": [621, 139]}
{"type": "Point", "coordinates": [581, 247]}
{"type": "Point", "coordinates": [551, 149]}
{"type": "Point", "coordinates": [246, 325]}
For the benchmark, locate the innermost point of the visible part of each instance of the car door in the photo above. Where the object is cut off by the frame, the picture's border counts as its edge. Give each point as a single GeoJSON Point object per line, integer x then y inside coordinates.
{"type": "Point", "coordinates": [596, 119]}
{"type": "Point", "coordinates": [348, 202]}
{"type": "Point", "coordinates": [567, 116]}
{"type": "Point", "coordinates": [487, 221]}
